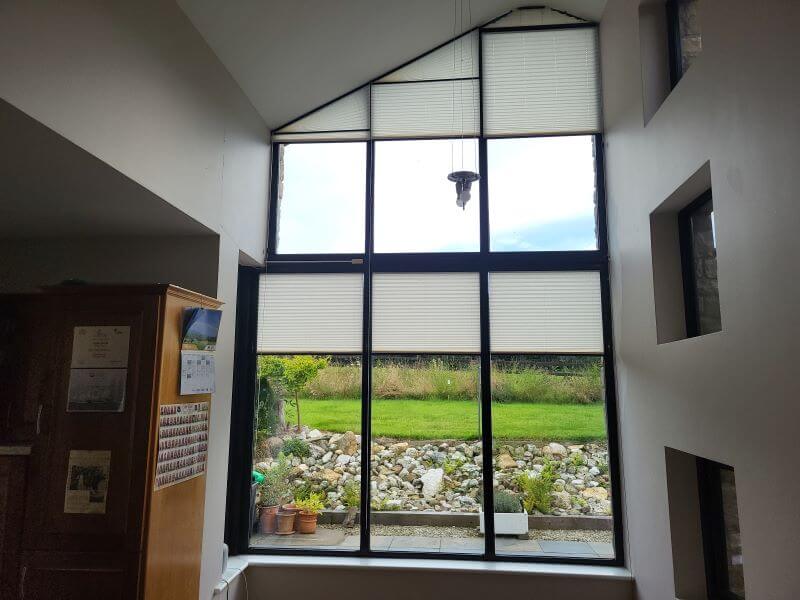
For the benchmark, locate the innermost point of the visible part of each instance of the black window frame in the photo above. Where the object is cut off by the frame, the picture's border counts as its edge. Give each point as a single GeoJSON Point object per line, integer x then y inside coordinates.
{"type": "Point", "coordinates": [674, 43]}
{"type": "Point", "coordinates": [688, 272]}
{"type": "Point", "coordinates": [712, 527]}
{"type": "Point", "coordinates": [483, 262]}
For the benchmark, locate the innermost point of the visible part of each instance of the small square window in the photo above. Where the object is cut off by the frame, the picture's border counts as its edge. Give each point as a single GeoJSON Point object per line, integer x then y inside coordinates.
{"type": "Point", "coordinates": [699, 265]}
{"type": "Point", "coordinates": [321, 198]}
{"type": "Point", "coordinates": [722, 542]}
{"type": "Point", "coordinates": [685, 36]}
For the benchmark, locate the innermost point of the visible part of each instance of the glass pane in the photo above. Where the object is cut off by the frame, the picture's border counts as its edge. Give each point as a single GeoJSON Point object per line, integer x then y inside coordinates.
{"type": "Point", "coordinates": [733, 540]}
{"type": "Point", "coordinates": [307, 453]}
{"type": "Point", "coordinates": [542, 194]}
{"type": "Point", "coordinates": [691, 36]}
{"type": "Point", "coordinates": [704, 264]}
{"type": "Point", "coordinates": [550, 456]}
{"type": "Point", "coordinates": [425, 478]}
{"type": "Point", "coordinates": [415, 204]}
{"type": "Point", "coordinates": [321, 198]}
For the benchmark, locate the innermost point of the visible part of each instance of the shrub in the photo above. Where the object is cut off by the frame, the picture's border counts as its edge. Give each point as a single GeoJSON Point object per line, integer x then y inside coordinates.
{"type": "Point", "coordinates": [313, 504]}
{"type": "Point", "coordinates": [296, 447]}
{"type": "Point", "coordinates": [351, 496]}
{"type": "Point", "coordinates": [302, 491]}
{"type": "Point", "coordinates": [450, 466]}
{"type": "Point", "coordinates": [536, 490]}
{"type": "Point", "coordinates": [275, 487]}
{"type": "Point", "coordinates": [506, 502]}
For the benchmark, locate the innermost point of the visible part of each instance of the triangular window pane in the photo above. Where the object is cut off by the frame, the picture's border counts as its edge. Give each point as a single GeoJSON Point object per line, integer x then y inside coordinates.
{"type": "Point", "coordinates": [346, 119]}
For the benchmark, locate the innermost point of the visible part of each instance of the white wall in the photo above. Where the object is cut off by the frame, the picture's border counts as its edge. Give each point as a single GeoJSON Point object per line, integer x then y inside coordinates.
{"type": "Point", "coordinates": [730, 396]}
{"type": "Point", "coordinates": [134, 84]}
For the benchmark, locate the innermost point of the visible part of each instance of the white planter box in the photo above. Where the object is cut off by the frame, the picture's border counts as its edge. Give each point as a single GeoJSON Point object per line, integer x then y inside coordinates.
{"type": "Point", "coordinates": [508, 523]}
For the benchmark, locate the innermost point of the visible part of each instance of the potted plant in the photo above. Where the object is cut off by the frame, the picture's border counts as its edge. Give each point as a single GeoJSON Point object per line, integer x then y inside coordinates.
{"type": "Point", "coordinates": [274, 488]}
{"type": "Point", "coordinates": [509, 516]}
{"type": "Point", "coordinates": [309, 509]}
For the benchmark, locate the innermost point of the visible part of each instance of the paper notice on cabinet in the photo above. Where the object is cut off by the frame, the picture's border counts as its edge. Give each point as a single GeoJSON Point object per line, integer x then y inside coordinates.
{"type": "Point", "coordinates": [97, 390]}
{"type": "Point", "coordinates": [100, 347]}
{"type": "Point", "coordinates": [87, 482]}
{"type": "Point", "coordinates": [182, 443]}
{"type": "Point", "coordinates": [197, 373]}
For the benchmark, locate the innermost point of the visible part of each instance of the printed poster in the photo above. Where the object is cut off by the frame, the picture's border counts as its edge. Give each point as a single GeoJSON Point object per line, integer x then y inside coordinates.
{"type": "Point", "coordinates": [97, 390]}
{"type": "Point", "coordinates": [87, 482]}
{"type": "Point", "coordinates": [100, 347]}
{"type": "Point", "coordinates": [182, 443]}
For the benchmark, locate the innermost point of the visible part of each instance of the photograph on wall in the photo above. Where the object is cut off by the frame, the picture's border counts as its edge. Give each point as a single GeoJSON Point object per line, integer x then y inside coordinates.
{"type": "Point", "coordinates": [200, 328]}
{"type": "Point", "coordinates": [88, 473]}
{"type": "Point", "coordinates": [97, 390]}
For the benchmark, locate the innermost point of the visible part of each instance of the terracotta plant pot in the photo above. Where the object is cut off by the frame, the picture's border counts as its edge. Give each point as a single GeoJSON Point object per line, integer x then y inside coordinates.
{"type": "Point", "coordinates": [306, 522]}
{"type": "Point", "coordinates": [292, 509]}
{"type": "Point", "coordinates": [267, 519]}
{"type": "Point", "coordinates": [285, 523]}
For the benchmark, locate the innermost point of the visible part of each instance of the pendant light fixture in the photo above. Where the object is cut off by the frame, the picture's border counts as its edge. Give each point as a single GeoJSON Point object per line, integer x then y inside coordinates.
{"type": "Point", "coordinates": [463, 179]}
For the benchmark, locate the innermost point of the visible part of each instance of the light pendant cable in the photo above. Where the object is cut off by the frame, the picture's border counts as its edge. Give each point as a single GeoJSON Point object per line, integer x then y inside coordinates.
{"type": "Point", "coordinates": [463, 178]}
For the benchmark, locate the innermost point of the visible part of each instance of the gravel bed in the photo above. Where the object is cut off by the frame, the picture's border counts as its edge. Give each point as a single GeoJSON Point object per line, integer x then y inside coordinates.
{"type": "Point", "coordinates": [573, 535]}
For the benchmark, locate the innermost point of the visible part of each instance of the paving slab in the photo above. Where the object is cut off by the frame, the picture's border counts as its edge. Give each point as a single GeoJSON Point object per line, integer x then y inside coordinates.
{"type": "Point", "coordinates": [603, 549]}
{"type": "Point", "coordinates": [578, 549]}
{"type": "Point", "coordinates": [416, 543]}
{"type": "Point", "coordinates": [514, 546]}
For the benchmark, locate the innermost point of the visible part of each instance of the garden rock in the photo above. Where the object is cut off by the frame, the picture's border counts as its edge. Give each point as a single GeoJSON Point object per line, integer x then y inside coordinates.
{"type": "Point", "coordinates": [432, 482]}
{"type": "Point", "coordinates": [504, 461]}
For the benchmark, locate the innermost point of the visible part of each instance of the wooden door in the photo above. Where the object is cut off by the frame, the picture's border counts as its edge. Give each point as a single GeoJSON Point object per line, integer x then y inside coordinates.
{"type": "Point", "coordinates": [124, 434]}
{"type": "Point", "coordinates": [12, 497]}
{"type": "Point", "coordinates": [77, 576]}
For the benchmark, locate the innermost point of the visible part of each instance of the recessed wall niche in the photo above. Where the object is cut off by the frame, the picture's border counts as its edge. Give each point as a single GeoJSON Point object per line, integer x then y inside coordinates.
{"type": "Point", "coordinates": [707, 557]}
{"type": "Point", "coordinates": [676, 295]}
{"type": "Point", "coordinates": [654, 53]}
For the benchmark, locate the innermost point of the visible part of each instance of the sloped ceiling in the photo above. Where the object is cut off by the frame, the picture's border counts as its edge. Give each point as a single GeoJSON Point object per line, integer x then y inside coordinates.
{"type": "Point", "coordinates": [51, 187]}
{"type": "Point", "coordinates": [290, 56]}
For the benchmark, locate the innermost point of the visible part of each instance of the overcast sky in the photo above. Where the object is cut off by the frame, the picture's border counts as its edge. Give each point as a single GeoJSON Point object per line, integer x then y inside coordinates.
{"type": "Point", "coordinates": [541, 190]}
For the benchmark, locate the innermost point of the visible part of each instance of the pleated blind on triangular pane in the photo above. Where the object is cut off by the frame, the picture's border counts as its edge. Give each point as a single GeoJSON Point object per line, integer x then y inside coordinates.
{"type": "Point", "coordinates": [425, 109]}
{"type": "Point", "coordinates": [344, 119]}
{"type": "Point", "coordinates": [310, 313]}
{"type": "Point", "coordinates": [456, 60]}
{"type": "Point", "coordinates": [426, 312]}
{"type": "Point", "coordinates": [541, 82]}
{"type": "Point", "coordinates": [526, 17]}
{"type": "Point", "coordinates": [545, 312]}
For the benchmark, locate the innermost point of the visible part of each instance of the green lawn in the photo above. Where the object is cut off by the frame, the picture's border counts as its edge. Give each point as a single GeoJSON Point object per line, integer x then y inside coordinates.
{"type": "Point", "coordinates": [457, 419]}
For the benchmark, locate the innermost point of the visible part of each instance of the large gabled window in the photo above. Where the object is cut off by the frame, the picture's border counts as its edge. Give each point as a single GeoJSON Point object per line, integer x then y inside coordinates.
{"type": "Point", "coordinates": [435, 373]}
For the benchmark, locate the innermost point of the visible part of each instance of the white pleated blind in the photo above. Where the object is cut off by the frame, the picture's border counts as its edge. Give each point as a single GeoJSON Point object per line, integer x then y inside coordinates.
{"type": "Point", "coordinates": [426, 312]}
{"type": "Point", "coordinates": [458, 59]}
{"type": "Point", "coordinates": [541, 82]}
{"type": "Point", "coordinates": [345, 119]}
{"type": "Point", "coordinates": [545, 312]}
{"type": "Point", "coordinates": [526, 17]}
{"type": "Point", "coordinates": [310, 312]}
{"type": "Point", "coordinates": [425, 109]}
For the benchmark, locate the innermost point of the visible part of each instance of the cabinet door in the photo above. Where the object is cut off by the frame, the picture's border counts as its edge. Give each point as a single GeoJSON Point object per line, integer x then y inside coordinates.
{"type": "Point", "coordinates": [114, 521]}
{"type": "Point", "coordinates": [12, 495]}
{"type": "Point", "coordinates": [77, 576]}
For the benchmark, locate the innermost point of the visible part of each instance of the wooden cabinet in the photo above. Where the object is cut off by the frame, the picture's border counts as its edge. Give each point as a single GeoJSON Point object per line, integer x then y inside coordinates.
{"type": "Point", "coordinates": [13, 469]}
{"type": "Point", "coordinates": [146, 543]}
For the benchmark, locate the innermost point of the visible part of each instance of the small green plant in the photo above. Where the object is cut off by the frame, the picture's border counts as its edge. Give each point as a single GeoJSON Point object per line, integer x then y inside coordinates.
{"type": "Point", "coordinates": [536, 490]}
{"type": "Point", "coordinates": [506, 502]}
{"type": "Point", "coordinates": [450, 466]}
{"type": "Point", "coordinates": [603, 468]}
{"type": "Point", "coordinates": [351, 496]}
{"type": "Point", "coordinates": [302, 491]}
{"type": "Point", "coordinates": [296, 447]}
{"type": "Point", "coordinates": [577, 460]}
{"type": "Point", "coordinates": [313, 504]}
{"type": "Point", "coordinates": [275, 486]}
{"type": "Point", "coordinates": [383, 505]}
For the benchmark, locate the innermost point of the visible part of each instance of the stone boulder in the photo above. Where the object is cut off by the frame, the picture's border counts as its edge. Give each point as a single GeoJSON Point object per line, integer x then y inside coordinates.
{"type": "Point", "coordinates": [505, 461]}
{"type": "Point", "coordinates": [598, 493]}
{"type": "Point", "coordinates": [432, 482]}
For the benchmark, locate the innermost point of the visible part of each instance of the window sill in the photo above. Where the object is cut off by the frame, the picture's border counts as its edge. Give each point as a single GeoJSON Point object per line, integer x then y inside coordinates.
{"type": "Point", "coordinates": [451, 566]}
